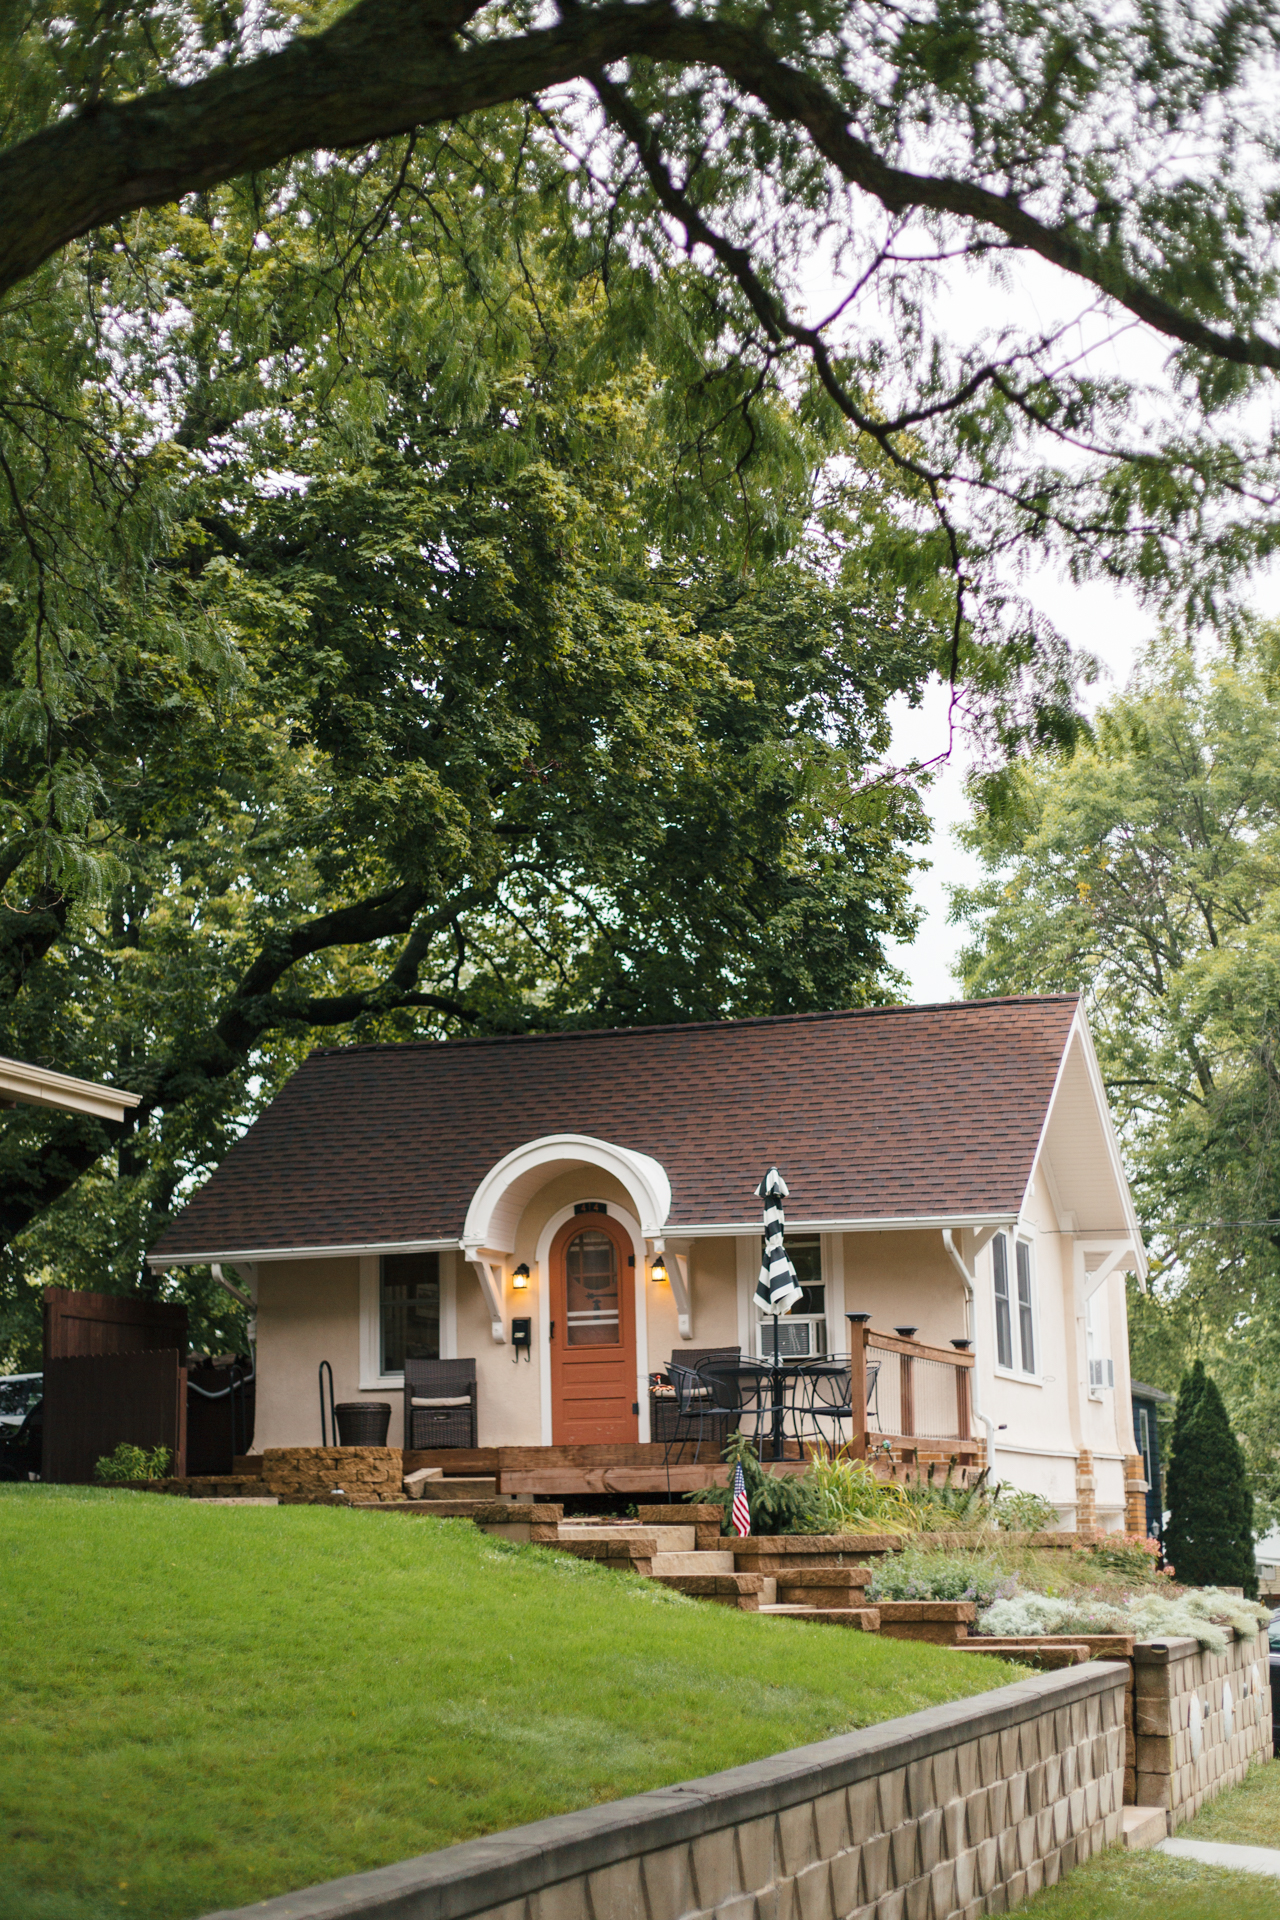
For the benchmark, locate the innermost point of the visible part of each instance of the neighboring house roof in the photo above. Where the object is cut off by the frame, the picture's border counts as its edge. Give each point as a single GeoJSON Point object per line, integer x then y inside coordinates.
{"type": "Point", "coordinates": [24, 1085]}
{"type": "Point", "coordinates": [1140, 1392]}
{"type": "Point", "coordinates": [891, 1114]}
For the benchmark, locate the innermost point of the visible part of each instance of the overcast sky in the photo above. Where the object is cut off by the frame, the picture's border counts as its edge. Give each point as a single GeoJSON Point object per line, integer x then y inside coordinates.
{"type": "Point", "coordinates": [1098, 619]}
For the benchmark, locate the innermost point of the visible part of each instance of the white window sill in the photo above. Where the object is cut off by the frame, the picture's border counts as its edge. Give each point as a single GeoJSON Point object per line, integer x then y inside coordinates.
{"type": "Point", "coordinates": [1022, 1379]}
{"type": "Point", "coordinates": [392, 1382]}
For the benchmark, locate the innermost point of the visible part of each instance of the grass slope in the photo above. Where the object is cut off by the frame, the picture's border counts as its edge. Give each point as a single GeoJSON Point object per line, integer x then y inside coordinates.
{"type": "Point", "coordinates": [1135, 1886]}
{"type": "Point", "coordinates": [206, 1705]}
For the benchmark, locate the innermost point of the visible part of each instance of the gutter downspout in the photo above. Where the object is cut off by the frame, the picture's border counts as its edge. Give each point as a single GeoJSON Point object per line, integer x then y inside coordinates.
{"type": "Point", "coordinates": [975, 1387]}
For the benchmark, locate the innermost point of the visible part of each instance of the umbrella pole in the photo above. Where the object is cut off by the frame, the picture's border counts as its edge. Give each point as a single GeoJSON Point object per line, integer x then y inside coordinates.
{"type": "Point", "coordinates": [776, 1396]}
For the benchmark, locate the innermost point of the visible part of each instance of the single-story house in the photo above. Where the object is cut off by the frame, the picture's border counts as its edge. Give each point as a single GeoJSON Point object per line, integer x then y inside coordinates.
{"type": "Point", "coordinates": [953, 1170]}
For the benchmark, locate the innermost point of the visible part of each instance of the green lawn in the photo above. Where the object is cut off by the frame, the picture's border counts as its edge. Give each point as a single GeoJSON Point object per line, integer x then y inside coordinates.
{"type": "Point", "coordinates": [1138, 1886]}
{"type": "Point", "coordinates": [205, 1705]}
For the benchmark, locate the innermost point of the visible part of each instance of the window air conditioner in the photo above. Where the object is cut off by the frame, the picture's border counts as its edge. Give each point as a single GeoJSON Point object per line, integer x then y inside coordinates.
{"type": "Point", "coordinates": [1102, 1373]}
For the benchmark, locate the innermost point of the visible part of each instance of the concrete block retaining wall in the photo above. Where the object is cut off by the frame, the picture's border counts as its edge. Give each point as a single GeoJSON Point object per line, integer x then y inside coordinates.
{"type": "Point", "coordinates": [962, 1810]}
{"type": "Point", "coordinates": [1199, 1721]}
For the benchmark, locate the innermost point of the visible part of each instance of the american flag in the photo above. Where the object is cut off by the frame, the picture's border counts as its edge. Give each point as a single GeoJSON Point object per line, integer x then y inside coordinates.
{"type": "Point", "coordinates": [741, 1515]}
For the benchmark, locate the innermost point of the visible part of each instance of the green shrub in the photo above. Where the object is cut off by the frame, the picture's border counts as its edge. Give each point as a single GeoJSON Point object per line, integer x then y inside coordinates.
{"type": "Point", "coordinates": [832, 1495]}
{"type": "Point", "coordinates": [133, 1463]}
{"type": "Point", "coordinates": [1131, 1553]}
{"type": "Point", "coordinates": [948, 1506]}
{"type": "Point", "coordinates": [848, 1498]}
{"type": "Point", "coordinates": [1018, 1511]}
{"type": "Point", "coordinates": [918, 1574]}
{"type": "Point", "coordinates": [779, 1503]}
{"type": "Point", "coordinates": [1209, 1538]}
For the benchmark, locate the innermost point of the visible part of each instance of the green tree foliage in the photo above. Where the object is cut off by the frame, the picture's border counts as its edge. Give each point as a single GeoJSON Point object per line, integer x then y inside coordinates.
{"type": "Point", "coordinates": [1209, 1537]}
{"type": "Point", "coordinates": [488, 718]}
{"type": "Point", "coordinates": [1143, 871]}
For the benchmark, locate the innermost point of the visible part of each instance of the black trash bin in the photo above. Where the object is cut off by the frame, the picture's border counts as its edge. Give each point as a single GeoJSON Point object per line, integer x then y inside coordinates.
{"type": "Point", "coordinates": [363, 1423]}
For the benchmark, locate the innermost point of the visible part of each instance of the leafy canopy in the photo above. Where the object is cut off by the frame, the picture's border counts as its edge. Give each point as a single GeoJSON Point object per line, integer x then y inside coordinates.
{"type": "Point", "coordinates": [1144, 872]}
{"type": "Point", "coordinates": [491, 728]}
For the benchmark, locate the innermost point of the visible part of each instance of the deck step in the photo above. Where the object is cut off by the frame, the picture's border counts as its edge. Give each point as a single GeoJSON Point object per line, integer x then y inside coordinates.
{"type": "Point", "coordinates": [459, 1487]}
{"type": "Point", "coordinates": [707, 1561]}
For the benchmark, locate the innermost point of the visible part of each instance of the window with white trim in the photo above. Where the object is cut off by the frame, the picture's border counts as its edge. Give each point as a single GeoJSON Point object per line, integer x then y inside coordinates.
{"type": "Point", "coordinates": [1013, 1282]}
{"type": "Point", "coordinates": [803, 1331]}
{"type": "Point", "coordinates": [408, 1309]}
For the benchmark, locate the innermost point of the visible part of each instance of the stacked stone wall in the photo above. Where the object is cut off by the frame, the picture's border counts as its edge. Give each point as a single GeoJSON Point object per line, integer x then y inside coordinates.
{"type": "Point", "coordinates": [1200, 1720]}
{"type": "Point", "coordinates": [301, 1475]}
{"type": "Point", "coordinates": [962, 1810]}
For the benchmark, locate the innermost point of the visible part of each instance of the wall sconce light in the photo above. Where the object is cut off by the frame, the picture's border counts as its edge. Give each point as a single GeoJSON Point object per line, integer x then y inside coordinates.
{"type": "Point", "coordinates": [658, 1270]}
{"type": "Point", "coordinates": [520, 1278]}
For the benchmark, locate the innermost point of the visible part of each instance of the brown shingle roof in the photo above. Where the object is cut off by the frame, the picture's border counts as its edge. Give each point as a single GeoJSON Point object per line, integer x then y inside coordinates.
{"type": "Point", "coordinates": [884, 1113]}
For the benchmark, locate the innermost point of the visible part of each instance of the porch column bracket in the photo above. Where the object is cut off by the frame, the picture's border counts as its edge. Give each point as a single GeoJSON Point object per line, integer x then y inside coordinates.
{"type": "Point", "coordinates": [489, 1274]}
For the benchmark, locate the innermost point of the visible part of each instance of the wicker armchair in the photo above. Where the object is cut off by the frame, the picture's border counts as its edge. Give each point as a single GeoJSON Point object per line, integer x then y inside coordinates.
{"type": "Point", "coordinates": [439, 1403]}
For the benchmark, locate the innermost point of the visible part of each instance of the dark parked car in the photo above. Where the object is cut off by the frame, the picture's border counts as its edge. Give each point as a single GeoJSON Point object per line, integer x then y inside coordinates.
{"type": "Point", "coordinates": [21, 1425]}
{"type": "Point", "coordinates": [1273, 1640]}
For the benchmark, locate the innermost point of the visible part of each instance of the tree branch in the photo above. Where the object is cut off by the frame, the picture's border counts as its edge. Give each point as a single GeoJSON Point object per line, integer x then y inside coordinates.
{"type": "Point", "coordinates": [387, 66]}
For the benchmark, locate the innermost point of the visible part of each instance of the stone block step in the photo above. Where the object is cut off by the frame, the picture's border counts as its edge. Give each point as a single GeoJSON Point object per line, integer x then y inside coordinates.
{"type": "Point", "coordinates": [861, 1619]}
{"type": "Point", "coordinates": [944, 1623]}
{"type": "Point", "coordinates": [740, 1590]}
{"type": "Point", "coordinates": [1030, 1653]}
{"type": "Point", "coordinates": [704, 1562]}
{"type": "Point", "coordinates": [688, 1514]}
{"type": "Point", "coordinates": [815, 1580]}
{"type": "Point", "coordinates": [652, 1539]}
{"type": "Point", "coordinates": [775, 1552]}
{"type": "Point", "coordinates": [1143, 1826]}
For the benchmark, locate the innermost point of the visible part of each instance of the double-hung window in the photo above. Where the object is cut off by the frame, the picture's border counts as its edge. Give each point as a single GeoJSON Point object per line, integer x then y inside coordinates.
{"type": "Point", "coordinates": [803, 1331]}
{"type": "Point", "coordinates": [408, 1309]}
{"type": "Point", "coordinates": [1015, 1304]}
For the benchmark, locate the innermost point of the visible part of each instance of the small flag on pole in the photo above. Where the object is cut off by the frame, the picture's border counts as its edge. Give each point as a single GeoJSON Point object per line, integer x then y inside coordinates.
{"type": "Point", "coordinates": [741, 1515]}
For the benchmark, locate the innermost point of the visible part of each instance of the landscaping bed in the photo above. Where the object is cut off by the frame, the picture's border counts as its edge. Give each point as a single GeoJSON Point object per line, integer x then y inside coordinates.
{"type": "Point", "coordinates": [205, 1705]}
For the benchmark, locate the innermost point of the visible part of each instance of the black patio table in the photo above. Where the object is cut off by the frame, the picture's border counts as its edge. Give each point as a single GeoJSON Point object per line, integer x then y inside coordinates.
{"type": "Point", "coordinates": [776, 1376]}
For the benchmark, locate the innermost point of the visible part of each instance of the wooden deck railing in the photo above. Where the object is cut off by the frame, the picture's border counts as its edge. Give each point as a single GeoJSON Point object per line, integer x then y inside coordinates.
{"type": "Point", "coordinates": [924, 1397]}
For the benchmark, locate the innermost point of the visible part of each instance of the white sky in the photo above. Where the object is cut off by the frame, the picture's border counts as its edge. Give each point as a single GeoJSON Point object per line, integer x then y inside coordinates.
{"type": "Point", "coordinates": [1098, 619]}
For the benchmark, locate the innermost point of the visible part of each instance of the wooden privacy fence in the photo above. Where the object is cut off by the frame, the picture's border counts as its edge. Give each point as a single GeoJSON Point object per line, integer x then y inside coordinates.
{"type": "Point", "coordinates": [94, 1401]}
{"type": "Point", "coordinates": [906, 1392]}
{"type": "Point", "coordinates": [114, 1369]}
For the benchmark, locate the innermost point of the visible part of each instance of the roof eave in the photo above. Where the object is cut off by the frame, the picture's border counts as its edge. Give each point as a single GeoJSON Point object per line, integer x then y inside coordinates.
{"type": "Point", "coordinates": [673, 1230]}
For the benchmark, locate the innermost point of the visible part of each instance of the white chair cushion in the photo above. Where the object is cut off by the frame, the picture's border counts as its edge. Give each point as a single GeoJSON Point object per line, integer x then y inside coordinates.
{"type": "Point", "coordinates": [457, 1400]}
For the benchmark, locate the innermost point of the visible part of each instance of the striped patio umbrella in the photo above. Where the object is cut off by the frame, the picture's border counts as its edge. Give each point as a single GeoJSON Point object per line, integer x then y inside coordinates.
{"type": "Point", "coordinates": [777, 1289]}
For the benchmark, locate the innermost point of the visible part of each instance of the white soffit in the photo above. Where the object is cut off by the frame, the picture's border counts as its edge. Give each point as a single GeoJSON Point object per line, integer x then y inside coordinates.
{"type": "Point", "coordinates": [28, 1086]}
{"type": "Point", "coordinates": [1083, 1154]}
{"type": "Point", "coordinates": [508, 1187]}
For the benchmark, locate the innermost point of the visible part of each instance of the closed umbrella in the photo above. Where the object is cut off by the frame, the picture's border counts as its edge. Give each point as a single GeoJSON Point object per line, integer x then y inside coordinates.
{"type": "Point", "coordinates": [777, 1289]}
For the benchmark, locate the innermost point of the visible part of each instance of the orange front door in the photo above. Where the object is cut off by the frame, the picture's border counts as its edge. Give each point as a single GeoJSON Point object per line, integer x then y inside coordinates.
{"type": "Point", "coordinates": [593, 1339]}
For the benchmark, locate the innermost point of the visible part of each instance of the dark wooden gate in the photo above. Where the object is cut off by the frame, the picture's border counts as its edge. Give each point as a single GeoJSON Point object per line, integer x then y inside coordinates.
{"type": "Point", "coordinates": [114, 1369]}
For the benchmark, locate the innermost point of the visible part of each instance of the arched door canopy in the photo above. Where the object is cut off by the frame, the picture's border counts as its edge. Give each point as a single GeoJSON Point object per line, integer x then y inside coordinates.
{"type": "Point", "coordinates": [508, 1187]}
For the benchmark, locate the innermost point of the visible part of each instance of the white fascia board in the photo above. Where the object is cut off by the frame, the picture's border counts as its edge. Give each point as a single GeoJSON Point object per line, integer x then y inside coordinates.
{"type": "Point", "coordinates": [236, 1256]}
{"type": "Point", "coordinates": [1080, 1029]}
{"type": "Point", "coordinates": [36, 1087]}
{"type": "Point", "coordinates": [716, 1230]}
{"type": "Point", "coordinates": [875, 1223]}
